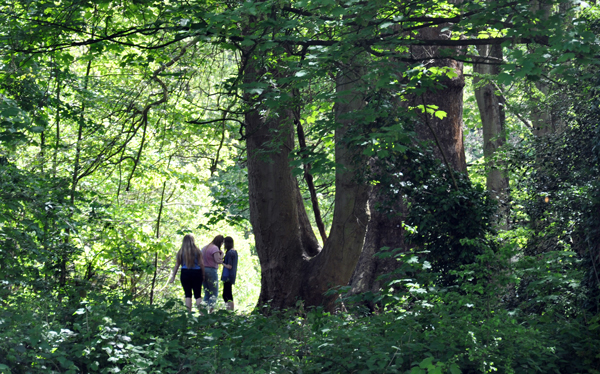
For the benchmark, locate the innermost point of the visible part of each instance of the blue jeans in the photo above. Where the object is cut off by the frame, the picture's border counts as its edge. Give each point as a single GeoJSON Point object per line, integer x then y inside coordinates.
{"type": "Point", "coordinates": [211, 286]}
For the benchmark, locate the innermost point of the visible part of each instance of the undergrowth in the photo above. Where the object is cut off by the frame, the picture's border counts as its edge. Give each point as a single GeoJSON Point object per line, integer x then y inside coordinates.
{"type": "Point", "coordinates": [468, 328]}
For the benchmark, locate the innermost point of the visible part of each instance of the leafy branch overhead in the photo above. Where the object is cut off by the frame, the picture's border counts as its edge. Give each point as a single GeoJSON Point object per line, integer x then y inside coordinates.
{"type": "Point", "coordinates": [311, 28]}
{"type": "Point", "coordinates": [411, 186]}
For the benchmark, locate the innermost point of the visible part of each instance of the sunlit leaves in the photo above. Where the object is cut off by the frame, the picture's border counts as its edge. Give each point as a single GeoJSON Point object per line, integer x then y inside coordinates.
{"type": "Point", "coordinates": [431, 110]}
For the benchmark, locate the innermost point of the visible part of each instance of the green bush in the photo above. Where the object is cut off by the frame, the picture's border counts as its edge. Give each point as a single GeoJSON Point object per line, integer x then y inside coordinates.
{"type": "Point", "coordinates": [466, 328]}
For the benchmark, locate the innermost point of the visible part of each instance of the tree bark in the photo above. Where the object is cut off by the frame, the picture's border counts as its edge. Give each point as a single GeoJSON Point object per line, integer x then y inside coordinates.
{"type": "Point", "coordinates": [335, 264]}
{"type": "Point", "coordinates": [491, 111]}
{"type": "Point", "coordinates": [274, 200]}
{"type": "Point", "coordinates": [57, 143]}
{"type": "Point", "coordinates": [387, 215]}
{"type": "Point", "coordinates": [384, 230]}
{"type": "Point", "coordinates": [284, 239]}
{"type": "Point", "coordinates": [541, 116]}
{"type": "Point", "coordinates": [273, 197]}
{"type": "Point", "coordinates": [448, 99]}
{"type": "Point", "coordinates": [160, 210]}
{"type": "Point", "coordinates": [308, 178]}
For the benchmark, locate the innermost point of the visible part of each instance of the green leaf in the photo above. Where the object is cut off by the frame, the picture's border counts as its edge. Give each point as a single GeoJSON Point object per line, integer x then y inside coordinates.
{"type": "Point", "coordinates": [505, 79]}
{"type": "Point", "coordinates": [565, 57]}
{"type": "Point", "coordinates": [440, 114]}
{"type": "Point", "coordinates": [247, 42]}
{"type": "Point", "coordinates": [426, 363]}
{"type": "Point", "coordinates": [454, 369]}
{"type": "Point", "coordinates": [11, 112]}
{"type": "Point", "coordinates": [37, 129]}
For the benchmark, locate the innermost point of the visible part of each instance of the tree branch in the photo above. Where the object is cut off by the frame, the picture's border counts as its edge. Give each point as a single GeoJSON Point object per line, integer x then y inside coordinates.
{"type": "Point", "coordinates": [162, 100]}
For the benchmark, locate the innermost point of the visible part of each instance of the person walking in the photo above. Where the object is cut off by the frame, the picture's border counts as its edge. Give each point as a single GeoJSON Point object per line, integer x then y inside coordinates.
{"type": "Point", "coordinates": [190, 259]}
{"type": "Point", "coordinates": [212, 256]}
{"type": "Point", "coordinates": [229, 272]}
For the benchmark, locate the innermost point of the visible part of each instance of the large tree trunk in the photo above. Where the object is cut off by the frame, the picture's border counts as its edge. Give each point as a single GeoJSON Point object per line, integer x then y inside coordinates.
{"type": "Point", "coordinates": [385, 228]}
{"type": "Point", "coordinates": [543, 125]}
{"type": "Point", "coordinates": [541, 116]}
{"type": "Point", "coordinates": [274, 203]}
{"type": "Point", "coordinates": [335, 264]}
{"type": "Point", "coordinates": [492, 116]}
{"type": "Point", "coordinates": [448, 131]}
{"type": "Point", "coordinates": [285, 241]}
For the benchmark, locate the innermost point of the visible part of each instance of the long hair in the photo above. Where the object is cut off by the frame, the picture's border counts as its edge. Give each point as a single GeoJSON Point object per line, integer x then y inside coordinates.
{"type": "Point", "coordinates": [218, 241]}
{"type": "Point", "coordinates": [189, 253]}
{"type": "Point", "coordinates": [228, 243]}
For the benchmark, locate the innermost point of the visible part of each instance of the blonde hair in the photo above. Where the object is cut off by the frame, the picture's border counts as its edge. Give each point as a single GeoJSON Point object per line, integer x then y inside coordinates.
{"type": "Point", "coordinates": [189, 253]}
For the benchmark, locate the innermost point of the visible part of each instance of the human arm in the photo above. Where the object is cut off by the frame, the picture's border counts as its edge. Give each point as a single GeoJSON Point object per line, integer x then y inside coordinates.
{"type": "Point", "coordinates": [231, 260]}
{"type": "Point", "coordinates": [227, 261]}
{"type": "Point", "coordinates": [174, 274]}
{"type": "Point", "coordinates": [218, 256]}
{"type": "Point", "coordinates": [234, 260]}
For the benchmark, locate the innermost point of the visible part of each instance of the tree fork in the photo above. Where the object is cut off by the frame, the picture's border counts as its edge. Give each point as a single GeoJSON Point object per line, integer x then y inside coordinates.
{"type": "Point", "coordinates": [333, 267]}
{"type": "Point", "coordinates": [310, 183]}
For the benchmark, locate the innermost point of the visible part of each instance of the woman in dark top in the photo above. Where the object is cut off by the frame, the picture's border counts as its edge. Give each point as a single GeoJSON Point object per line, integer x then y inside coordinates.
{"type": "Point", "coordinates": [229, 272]}
{"type": "Point", "coordinates": [189, 258]}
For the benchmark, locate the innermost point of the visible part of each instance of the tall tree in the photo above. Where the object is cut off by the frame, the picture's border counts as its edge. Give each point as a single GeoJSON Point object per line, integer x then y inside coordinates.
{"type": "Point", "coordinates": [285, 242]}
{"type": "Point", "coordinates": [388, 207]}
{"type": "Point", "coordinates": [374, 53]}
{"type": "Point", "coordinates": [491, 110]}
{"type": "Point", "coordinates": [431, 44]}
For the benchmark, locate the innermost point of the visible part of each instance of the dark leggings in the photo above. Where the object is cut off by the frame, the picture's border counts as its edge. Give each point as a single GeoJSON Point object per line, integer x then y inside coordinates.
{"type": "Point", "coordinates": [191, 279]}
{"type": "Point", "coordinates": [227, 292]}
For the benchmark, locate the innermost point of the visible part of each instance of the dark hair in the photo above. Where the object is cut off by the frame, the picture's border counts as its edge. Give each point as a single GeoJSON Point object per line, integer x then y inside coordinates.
{"type": "Point", "coordinates": [218, 241]}
{"type": "Point", "coordinates": [228, 243]}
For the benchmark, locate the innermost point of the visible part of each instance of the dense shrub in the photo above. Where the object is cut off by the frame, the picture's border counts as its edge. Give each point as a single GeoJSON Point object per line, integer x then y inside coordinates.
{"type": "Point", "coordinates": [466, 328]}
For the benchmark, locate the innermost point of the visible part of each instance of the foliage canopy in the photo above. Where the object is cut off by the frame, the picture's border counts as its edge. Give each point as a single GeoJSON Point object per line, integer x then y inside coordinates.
{"type": "Point", "coordinates": [122, 127]}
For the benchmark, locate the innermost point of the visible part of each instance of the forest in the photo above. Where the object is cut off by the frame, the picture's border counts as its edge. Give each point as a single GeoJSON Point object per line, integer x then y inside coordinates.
{"type": "Point", "coordinates": [412, 186]}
